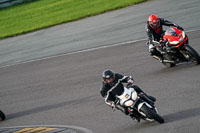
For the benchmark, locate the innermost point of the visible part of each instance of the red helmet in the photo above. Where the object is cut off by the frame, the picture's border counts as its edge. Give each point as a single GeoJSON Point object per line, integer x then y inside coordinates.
{"type": "Point", "coordinates": [154, 21]}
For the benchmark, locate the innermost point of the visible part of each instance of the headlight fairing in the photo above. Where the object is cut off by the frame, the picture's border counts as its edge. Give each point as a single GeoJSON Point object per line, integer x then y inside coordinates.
{"type": "Point", "coordinates": [183, 34]}
{"type": "Point", "coordinates": [174, 42]}
{"type": "Point", "coordinates": [134, 95]}
{"type": "Point", "coordinates": [128, 103]}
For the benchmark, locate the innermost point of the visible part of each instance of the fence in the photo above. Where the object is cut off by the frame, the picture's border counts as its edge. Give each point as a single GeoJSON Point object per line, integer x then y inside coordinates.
{"type": "Point", "coordinates": [7, 3]}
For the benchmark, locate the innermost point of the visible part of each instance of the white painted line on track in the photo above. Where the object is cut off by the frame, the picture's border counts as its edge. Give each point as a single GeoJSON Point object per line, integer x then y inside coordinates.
{"type": "Point", "coordinates": [75, 52]}
{"type": "Point", "coordinates": [81, 51]}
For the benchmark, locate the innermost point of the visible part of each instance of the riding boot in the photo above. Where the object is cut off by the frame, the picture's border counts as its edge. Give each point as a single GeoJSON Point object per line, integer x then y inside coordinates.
{"type": "Point", "coordinates": [149, 99]}
{"type": "Point", "coordinates": [158, 58]}
{"type": "Point", "coordinates": [157, 55]}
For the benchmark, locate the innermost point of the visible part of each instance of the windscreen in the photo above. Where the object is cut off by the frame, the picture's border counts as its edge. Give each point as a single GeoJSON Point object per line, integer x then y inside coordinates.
{"type": "Point", "coordinates": [170, 32]}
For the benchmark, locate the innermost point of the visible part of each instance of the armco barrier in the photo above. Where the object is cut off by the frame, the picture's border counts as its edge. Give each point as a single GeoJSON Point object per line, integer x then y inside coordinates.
{"type": "Point", "coordinates": [7, 3]}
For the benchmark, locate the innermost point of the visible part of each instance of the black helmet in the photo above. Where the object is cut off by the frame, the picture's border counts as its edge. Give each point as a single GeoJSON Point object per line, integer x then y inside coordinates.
{"type": "Point", "coordinates": [108, 76]}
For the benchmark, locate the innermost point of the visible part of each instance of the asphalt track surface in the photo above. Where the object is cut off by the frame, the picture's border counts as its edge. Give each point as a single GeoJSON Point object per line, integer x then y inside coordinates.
{"type": "Point", "coordinates": [64, 90]}
{"type": "Point", "coordinates": [110, 28]}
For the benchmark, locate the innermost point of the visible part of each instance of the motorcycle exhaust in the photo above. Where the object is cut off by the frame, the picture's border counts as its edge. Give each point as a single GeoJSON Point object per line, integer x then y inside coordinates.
{"type": "Point", "coordinates": [168, 61]}
{"type": "Point", "coordinates": [164, 61]}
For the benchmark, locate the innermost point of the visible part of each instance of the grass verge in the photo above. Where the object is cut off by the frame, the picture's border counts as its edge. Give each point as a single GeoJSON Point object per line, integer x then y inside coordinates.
{"type": "Point", "coordinates": [41, 14]}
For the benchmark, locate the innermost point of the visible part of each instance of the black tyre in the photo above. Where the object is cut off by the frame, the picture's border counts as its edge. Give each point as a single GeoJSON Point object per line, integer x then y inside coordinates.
{"type": "Point", "coordinates": [2, 115]}
{"type": "Point", "coordinates": [152, 114]}
{"type": "Point", "coordinates": [194, 56]}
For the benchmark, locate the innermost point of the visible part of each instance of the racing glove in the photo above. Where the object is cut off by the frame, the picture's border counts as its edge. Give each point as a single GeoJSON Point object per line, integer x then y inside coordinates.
{"type": "Point", "coordinates": [180, 28]}
{"type": "Point", "coordinates": [130, 81]}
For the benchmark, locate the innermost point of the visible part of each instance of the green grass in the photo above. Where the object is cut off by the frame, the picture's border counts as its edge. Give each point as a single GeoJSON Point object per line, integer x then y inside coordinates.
{"type": "Point", "coordinates": [45, 13]}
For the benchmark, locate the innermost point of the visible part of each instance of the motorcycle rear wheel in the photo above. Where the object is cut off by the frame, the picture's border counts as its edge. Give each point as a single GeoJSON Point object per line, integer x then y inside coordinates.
{"type": "Point", "coordinates": [152, 114]}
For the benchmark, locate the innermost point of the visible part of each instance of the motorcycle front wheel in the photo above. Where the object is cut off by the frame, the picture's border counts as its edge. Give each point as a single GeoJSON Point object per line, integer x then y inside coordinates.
{"type": "Point", "coordinates": [194, 56]}
{"type": "Point", "coordinates": [152, 114]}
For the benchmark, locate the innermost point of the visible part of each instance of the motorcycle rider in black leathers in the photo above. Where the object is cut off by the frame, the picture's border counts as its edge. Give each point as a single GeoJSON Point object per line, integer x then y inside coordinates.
{"type": "Point", "coordinates": [154, 29]}
{"type": "Point", "coordinates": [112, 87]}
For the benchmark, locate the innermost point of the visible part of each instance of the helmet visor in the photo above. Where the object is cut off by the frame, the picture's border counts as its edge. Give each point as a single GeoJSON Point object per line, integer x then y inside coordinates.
{"type": "Point", "coordinates": [108, 80]}
{"type": "Point", "coordinates": [155, 23]}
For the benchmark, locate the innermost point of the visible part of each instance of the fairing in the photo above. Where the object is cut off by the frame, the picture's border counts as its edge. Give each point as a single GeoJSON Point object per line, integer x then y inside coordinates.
{"type": "Point", "coordinates": [175, 36]}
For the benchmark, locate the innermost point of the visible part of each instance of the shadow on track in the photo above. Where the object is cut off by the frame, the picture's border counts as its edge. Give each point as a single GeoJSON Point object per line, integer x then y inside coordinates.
{"type": "Point", "coordinates": [173, 117]}
{"type": "Point", "coordinates": [177, 68]}
{"type": "Point", "coordinates": [48, 107]}
{"type": "Point", "coordinates": [138, 127]}
{"type": "Point", "coordinates": [181, 115]}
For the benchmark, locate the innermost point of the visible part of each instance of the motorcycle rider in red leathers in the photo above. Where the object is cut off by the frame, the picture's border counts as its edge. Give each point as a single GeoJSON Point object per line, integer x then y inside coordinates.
{"type": "Point", "coordinates": [112, 86]}
{"type": "Point", "coordinates": [154, 29]}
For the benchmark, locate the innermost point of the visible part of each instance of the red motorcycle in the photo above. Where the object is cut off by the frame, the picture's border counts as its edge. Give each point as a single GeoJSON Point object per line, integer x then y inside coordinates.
{"type": "Point", "coordinates": [175, 48]}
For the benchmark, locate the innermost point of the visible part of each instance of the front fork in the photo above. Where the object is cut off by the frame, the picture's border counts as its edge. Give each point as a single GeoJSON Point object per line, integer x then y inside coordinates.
{"type": "Point", "coordinates": [145, 117]}
{"type": "Point", "coordinates": [187, 57]}
{"type": "Point", "coordinates": [184, 53]}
